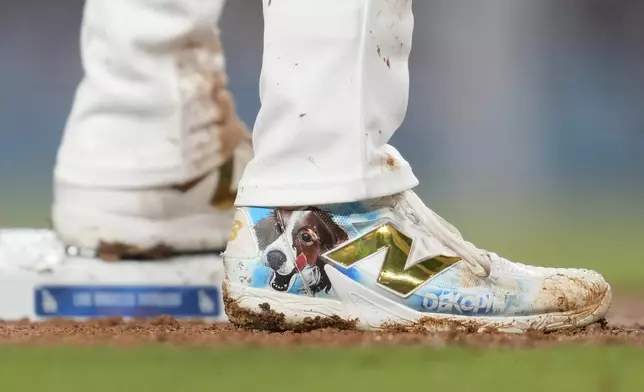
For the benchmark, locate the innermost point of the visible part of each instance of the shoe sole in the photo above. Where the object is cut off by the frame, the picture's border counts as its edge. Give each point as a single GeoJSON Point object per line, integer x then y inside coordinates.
{"type": "Point", "coordinates": [365, 310]}
{"type": "Point", "coordinates": [116, 237]}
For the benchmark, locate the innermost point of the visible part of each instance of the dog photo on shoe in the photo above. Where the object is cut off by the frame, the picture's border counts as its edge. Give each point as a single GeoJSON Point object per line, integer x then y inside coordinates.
{"type": "Point", "coordinates": [305, 233]}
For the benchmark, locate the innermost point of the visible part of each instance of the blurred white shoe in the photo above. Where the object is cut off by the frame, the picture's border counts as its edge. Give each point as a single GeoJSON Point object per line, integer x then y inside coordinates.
{"type": "Point", "coordinates": [391, 263]}
{"type": "Point", "coordinates": [153, 222]}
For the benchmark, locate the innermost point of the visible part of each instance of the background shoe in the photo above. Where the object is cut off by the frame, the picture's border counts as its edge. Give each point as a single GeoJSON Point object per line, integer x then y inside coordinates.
{"type": "Point", "coordinates": [390, 263]}
{"type": "Point", "coordinates": [153, 222]}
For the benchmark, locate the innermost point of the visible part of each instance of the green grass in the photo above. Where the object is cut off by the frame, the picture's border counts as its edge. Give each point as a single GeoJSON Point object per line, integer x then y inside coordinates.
{"type": "Point", "coordinates": [373, 369]}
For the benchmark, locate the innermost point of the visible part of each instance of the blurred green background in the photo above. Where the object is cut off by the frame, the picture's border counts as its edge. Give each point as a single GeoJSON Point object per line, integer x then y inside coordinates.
{"type": "Point", "coordinates": [525, 122]}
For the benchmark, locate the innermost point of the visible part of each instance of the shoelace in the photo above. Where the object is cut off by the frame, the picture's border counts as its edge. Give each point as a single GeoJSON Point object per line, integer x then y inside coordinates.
{"type": "Point", "coordinates": [478, 260]}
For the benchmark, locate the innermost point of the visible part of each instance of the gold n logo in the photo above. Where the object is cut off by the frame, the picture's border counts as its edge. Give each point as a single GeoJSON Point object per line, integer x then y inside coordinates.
{"type": "Point", "coordinates": [397, 246]}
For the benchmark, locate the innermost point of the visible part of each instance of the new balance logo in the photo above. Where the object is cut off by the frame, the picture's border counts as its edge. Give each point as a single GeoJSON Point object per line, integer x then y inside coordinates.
{"type": "Point", "coordinates": [398, 274]}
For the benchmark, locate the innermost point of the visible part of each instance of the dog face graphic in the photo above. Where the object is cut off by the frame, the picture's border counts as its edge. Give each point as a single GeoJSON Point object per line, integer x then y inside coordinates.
{"type": "Point", "coordinates": [294, 241]}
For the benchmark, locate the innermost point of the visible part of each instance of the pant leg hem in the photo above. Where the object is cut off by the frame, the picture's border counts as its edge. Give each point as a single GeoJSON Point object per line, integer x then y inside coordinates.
{"type": "Point", "coordinates": [383, 184]}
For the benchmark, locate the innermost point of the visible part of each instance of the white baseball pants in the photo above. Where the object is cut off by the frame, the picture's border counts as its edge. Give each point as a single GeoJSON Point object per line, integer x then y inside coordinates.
{"type": "Point", "coordinates": [334, 89]}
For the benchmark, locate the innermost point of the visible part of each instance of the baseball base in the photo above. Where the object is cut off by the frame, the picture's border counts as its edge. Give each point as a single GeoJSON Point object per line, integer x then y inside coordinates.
{"type": "Point", "coordinates": [40, 280]}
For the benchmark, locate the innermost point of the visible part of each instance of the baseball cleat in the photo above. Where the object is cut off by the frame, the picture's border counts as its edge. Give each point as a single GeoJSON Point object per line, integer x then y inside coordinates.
{"type": "Point", "coordinates": [390, 264]}
{"type": "Point", "coordinates": [150, 223]}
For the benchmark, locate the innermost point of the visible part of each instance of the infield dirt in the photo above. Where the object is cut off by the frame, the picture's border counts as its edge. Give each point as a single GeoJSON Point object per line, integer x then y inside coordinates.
{"type": "Point", "coordinates": [624, 325]}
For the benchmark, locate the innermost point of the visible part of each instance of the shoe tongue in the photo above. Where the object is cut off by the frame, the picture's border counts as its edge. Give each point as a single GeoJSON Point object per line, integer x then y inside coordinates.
{"type": "Point", "coordinates": [416, 204]}
{"type": "Point", "coordinates": [393, 200]}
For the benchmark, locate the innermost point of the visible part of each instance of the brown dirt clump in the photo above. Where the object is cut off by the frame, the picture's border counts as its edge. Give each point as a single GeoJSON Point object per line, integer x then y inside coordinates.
{"type": "Point", "coordinates": [434, 324]}
{"type": "Point", "coordinates": [267, 319]}
{"type": "Point", "coordinates": [625, 326]}
{"type": "Point", "coordinates": [115, 251]}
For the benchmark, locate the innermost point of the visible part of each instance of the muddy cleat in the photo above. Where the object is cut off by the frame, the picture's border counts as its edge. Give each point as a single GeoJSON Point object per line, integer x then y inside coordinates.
{"type": "Point", "coordinates": [390, 263]}
{"type": "Point", "coordinates": [150, 223]}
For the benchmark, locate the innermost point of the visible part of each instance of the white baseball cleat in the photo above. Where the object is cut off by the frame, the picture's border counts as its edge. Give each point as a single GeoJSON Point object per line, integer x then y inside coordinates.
{"type": "Point", "coordinates": [391, 263]}
{"type": "Point", "coordinates": [153, 222]}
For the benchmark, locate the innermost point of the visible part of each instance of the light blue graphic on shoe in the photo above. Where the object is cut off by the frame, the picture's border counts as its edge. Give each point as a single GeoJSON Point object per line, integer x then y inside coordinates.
{"type": "Point", "coordinates": [296, 245]}
{"type": "Point", "coordinates": [394, 260]}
